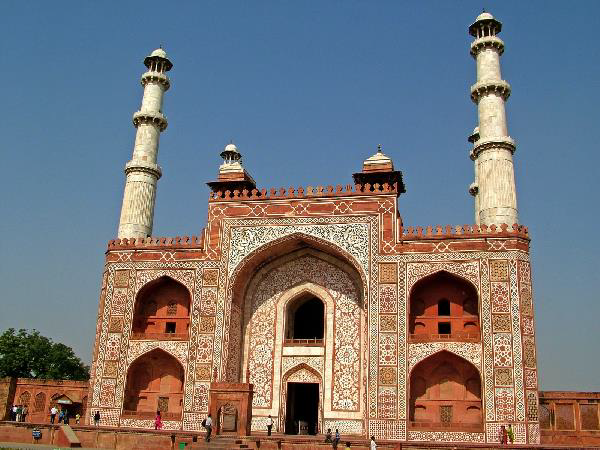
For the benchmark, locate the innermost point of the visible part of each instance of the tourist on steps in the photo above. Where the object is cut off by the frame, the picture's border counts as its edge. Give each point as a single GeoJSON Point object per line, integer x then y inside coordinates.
{"type": "Point", "coordinates": [53, 412]}
{"type": "Point", "coordinates": [269, 425]}
{"type": "Point", "coordinates": [502, 435]}
{"type": "Point", "coordinates": [373, 444]}
{"type": "Point", "coordinates": [207, 423]}
{"type": "Point", "coordinates": [328, 436]}
{"type": "Point", "coordinates": [336, 441]}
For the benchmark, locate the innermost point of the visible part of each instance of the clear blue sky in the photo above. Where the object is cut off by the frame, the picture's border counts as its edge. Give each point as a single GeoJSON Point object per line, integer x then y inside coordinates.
{"type": "Point", "coordinates": [306, 90]}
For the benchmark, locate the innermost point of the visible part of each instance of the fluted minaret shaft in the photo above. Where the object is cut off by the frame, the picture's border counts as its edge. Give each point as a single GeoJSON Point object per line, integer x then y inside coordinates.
{"type": "Point", "coordinates": [494, 186]}
{"type": "Point", "coordinates": [142, 172]}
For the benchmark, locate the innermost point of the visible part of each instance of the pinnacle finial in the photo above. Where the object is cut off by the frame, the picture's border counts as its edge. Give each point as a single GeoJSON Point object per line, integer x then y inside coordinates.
{"type": "Point", "coordinates": [379, 148]}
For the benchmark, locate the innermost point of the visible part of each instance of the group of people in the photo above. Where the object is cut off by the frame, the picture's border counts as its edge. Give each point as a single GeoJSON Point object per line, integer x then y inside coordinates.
{"type": "Point", "coordinates": [19, 413]}
{"type": "Point", "coordinates": [63, 415]}
{"type": "Point", "coordinates": [334, 441]}
{"type": "Point", "coordinates": [506, 435]}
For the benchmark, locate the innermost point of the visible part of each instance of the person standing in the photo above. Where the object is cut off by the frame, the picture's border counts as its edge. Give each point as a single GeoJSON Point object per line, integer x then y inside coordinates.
{"type": "Point", "coordinates": [373, 444]}
{"type": "Point", "coordinates": [269, 425]}
{"type": "Point", "coordinates": [158, 421]}
{"type": "Point", "coordinates": [19, 412]}
{"type": "Point", "coordinates": [61, 416]}
{"type": "Point", "coordinates": [502, 435]}
{"type": "Point", "coordinates": [97, 418]}
{"type": "Point", "coordinates": [66, 417]}
{"type": "Point", "coordinates": [510, 434]}
{"type": "Point", "coordinates": [77, 418]}
{"type": "Point", "coordinates": [24, 413]}
{"type": "Point", "coordinates": [208, 426]}
{"type": "Point", "coordinates": [53, 412]}
{"type": "Point", "coordinates": [336, 441]}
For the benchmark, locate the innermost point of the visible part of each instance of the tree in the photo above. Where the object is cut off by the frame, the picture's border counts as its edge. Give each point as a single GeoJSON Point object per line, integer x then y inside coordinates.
{"type": "Point", "coordinates": [30, 355]}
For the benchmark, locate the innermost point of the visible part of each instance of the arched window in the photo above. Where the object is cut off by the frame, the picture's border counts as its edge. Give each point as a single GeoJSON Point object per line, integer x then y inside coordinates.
{"type": "Point", "coordinates": [162, 310]}
{"type": "Point", "coordinates": [40, 402]}
{"type": "Point", "coordinates": [154, 382]}
{"type": "Point", "coordinates": [305, 319]}
{"type": "Point", "coordinates": [444, 306]}
{"type": "Point", "coordinates": [25, 398]}
{"type": "Point", "coordinates": [453, 387]}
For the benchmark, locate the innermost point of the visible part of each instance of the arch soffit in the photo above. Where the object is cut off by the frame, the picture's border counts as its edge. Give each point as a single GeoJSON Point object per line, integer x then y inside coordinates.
{"type": "Point", "coordinates": [457, 270]}
{"type": "Point", "coordinates": [153, 277]}
{"type": "Point", "coordinates": [282, 250]}
{"type": "Point", "coordinates": [136, 352]}
{"type": "Point", "coordinates": [465, 353]}
{"type": "Point", "coordinates": [303, 289]}
{"type": "Point", "coordinates": [299, 368]}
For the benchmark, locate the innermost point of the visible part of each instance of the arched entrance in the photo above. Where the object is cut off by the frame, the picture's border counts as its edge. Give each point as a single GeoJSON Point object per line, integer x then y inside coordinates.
{"type": "Point", "coordinates": [154, 383]}
{"type": "Point", "coordinates": [302, 399]}
{"type": "Point", "coordinates": [445, 392]}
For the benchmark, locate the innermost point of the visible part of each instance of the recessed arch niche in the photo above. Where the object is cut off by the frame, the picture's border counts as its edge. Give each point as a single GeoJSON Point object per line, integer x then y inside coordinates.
{"type": "Point", "coordinates": [445, 390]}
{"type": "Point", "coordinates": [154, 382]}
{"type": "Point", "coordinates": [162, 310]}
{"type": "Point", "coordinates": [444, 306]}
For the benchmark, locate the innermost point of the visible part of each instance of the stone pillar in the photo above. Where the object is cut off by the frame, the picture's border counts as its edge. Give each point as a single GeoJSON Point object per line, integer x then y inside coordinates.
{"type": "Point", "coordinates": [142, 172]}
{"type": "Point", "coordinates": [230, 406]}
{"type": "Point", "coordinates": [494, 186]}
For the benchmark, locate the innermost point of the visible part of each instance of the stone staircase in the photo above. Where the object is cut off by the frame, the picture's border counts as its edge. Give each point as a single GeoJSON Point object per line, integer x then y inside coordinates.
{"type": "Point", "coordinates": [218, 442]}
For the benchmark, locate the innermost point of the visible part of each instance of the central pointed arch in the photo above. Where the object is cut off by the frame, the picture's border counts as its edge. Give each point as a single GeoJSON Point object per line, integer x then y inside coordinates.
{"type": "Point", "coordinates": [266, 289]}
{"type": "Point", "coordinates": [286, 245]}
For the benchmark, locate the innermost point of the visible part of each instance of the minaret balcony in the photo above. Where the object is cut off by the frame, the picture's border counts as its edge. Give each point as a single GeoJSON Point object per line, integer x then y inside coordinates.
{"type": "Point", "coordinates": [499, 87]}
{"type": "Point", "coordinates": [143, 166]}
{"type": "Point", "coordinates": [155, 77]}
{"type": "Point", "coordinates": [487, 42]}
{"type": "Point", "coordinates": [504, 142]}
{"type": "Point", "coordinates": [150, 117]}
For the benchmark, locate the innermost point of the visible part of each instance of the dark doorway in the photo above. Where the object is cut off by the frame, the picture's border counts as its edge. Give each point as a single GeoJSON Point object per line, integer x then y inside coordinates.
{"type": "Point", "coordinates": [306, 319]}
{"type": "Point", "coordinates": [302, 409]}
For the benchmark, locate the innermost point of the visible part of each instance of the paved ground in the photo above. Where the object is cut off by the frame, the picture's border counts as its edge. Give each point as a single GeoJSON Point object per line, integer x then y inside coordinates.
{"type": "Point", "coordinates": [6, 445]}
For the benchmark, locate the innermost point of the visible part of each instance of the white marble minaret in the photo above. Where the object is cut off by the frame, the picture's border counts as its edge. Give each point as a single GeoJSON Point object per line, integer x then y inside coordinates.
{"type": "Point", "coordinates": [142, 172]}
{"type": "Point", "coordinates": [494, 186]}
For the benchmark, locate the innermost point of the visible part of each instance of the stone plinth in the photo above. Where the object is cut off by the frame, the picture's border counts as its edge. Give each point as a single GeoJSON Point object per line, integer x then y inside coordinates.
{"type": "Point", "coordinates": [230, 406]}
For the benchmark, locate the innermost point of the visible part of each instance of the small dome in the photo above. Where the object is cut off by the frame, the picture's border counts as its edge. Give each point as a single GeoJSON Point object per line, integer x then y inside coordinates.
{"type": "Point", "coordinates": [476, 130]}
{"type": "Point", "coordinates": [160, 53]}
{"type": "Point", "coordinates": [231, 148]}
{"type": "Point", "coordinates": [484, 16]}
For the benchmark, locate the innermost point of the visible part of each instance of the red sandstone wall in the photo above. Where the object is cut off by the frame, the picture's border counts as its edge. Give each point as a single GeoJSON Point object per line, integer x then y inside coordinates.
{"type": "Point", "coordinates": [39, 412]}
